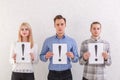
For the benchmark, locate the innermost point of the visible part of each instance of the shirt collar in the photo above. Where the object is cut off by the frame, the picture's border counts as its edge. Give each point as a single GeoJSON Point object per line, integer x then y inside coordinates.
{"type": "Point", "coordinates": [61, 38]}
{"type": "Point", "coordinates": [95, 38]}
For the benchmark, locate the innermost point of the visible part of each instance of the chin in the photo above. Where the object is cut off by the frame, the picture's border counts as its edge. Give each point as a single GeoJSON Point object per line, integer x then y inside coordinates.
{"type": "Point", "coordinates": [96, 35]}
{"type": "Point", "coordinates": [60, 32]}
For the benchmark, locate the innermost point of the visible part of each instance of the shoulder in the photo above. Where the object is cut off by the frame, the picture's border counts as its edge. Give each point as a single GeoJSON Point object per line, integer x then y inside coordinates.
{"type": "Point", "coordinates": [70, 38]}
{"type": "Point", "coordinates": [86, 41]}
{"type": "Point", "coordinates": [50, 38]}
{"type": "Point", "coordinates": [105, 41]}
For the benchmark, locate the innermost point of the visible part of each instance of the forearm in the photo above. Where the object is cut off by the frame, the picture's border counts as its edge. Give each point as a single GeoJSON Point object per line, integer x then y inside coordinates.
{"type": "Point", "coordinates": [82, 61]}
{"type": "Point", "coordinates": [108, 62]}
{"type": "Point", "coordinates": [43, 58]}
{"type": "Point", "coordinates": [75, 59]}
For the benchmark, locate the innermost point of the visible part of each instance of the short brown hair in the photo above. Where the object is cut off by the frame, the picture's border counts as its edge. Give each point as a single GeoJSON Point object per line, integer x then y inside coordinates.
{"type": "Point", "coordinates": [59, 17]}
{"type": "Point", "coordinates": [96, 22]}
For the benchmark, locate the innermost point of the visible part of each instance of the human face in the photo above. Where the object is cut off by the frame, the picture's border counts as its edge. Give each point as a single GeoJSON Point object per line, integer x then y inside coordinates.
{"type": "Point", "coordinates": [60, 26]}
{"type": "Point", "coordinates": [24, 31]}
{"type": "Point", "coordinates": [95, 30]}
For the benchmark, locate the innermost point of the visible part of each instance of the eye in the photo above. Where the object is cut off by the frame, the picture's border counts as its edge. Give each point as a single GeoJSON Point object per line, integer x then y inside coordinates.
{"type": "Point", "coordinates": [62, 24]}
{"type": "Point", "coordinates": [98, 28]}
{"type": "Point", "coordinates": [94, 28]}
{"type": "Point", "coordinates": [22, 29]}
{"type": "Point", "coordinates": [26, 29]}
{"type": "Point", "coordinates": [57, 24]}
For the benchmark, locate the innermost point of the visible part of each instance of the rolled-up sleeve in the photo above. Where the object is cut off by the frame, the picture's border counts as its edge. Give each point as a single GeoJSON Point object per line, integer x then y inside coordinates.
{"type": "Point", "coordinates": [75, 52]}
{"type": "Point", "coordinates": [34, 50]}
{"type": "Point", "coordinates": [83, 49]}
{"type": "Point", "coordinates": [44, 51]}
{"type": "Point", "coordinates": [108, 62]}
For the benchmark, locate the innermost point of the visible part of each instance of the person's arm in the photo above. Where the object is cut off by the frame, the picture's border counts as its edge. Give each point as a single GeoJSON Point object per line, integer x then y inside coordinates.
{"type": "Point", "coordinates": [44, 51]}
{"type": "Point", "coordinates": [12, 55]}
{"type": "Point", "coordinates": [74, 51]}
{"type": "Point", "coordinates": [83, 50]}
{"type": "Point", "coordinates": [108, 61]}
{"type": "Point", "coordinates": [34, 54]}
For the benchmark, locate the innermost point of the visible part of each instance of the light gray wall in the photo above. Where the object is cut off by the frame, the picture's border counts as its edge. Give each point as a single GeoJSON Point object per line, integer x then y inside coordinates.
{"type": "Point", "coordinates": [40, 14]}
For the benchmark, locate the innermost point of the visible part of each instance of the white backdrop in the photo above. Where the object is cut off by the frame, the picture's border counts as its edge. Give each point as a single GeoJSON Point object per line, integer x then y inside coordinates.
{"type": "Point", "coordinates": [40, 14]}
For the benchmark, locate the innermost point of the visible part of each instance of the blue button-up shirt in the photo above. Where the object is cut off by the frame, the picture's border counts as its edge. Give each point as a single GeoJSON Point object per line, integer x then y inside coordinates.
{"type": "Point", "coordinates": [71, 47]}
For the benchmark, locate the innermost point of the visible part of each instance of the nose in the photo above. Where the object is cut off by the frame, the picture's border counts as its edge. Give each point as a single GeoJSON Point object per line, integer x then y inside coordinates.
{"type": "Point", "coordinates": [60, 26]}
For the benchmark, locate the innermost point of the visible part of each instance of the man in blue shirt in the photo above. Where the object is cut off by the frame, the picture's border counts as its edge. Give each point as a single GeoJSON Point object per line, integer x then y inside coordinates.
{"type": "Point", "coordinates": [59, 71]}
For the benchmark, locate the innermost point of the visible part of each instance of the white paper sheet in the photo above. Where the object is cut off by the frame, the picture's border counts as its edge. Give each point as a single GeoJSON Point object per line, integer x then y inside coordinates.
{"type": "Point", "coordinates": [95, 50]}
{"type": "Point", "coordinates": [23, 53]}
{"type": "Point", "coordinates": [59, 51]}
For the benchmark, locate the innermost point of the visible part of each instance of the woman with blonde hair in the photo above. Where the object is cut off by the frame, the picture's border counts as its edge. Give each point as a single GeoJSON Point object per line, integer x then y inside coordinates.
{"type": "Point", "coordinates": [24, 70]}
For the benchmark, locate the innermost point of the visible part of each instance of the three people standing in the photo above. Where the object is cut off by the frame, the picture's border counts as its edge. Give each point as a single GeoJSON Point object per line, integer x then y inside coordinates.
{"type": "Point", "coordinates": [24, 71]}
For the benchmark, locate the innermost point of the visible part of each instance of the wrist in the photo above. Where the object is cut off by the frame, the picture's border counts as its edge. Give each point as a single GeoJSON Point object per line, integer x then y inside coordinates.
{"type": "Point", "coordinates": [72, 58]}
{"type": "Point", "coordinates": [105, 59]}
{"type": "Point", "coordinates": [84, 59]}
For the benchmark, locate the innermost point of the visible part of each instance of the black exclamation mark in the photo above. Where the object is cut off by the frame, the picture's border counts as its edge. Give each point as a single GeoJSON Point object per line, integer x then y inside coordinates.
{"type": "Point", "coordinates": [59, 48]}
{"type": "Point", "coordinates": [23, 46]}
{"type": "Point", "coordinates": [96, 52]}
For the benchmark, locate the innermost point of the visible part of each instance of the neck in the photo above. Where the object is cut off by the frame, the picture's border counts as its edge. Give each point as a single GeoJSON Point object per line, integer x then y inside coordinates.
{"type": "Point", "coordinates": [60, 36]}
{"type": "Point", "coordinates": [24, 39]}
{"type": "Point", "coordinates": [96, 38]}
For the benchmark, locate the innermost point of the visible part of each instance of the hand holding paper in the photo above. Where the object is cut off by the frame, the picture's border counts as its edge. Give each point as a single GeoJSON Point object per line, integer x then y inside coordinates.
{"type": "Point", "coordinates": [86, 55]}
{"type": "Point", "coordinates": [14, 57]}
{"type": "Point", "coordinates": [70, 55]}
{"type": "Point", "coordinates": [60, 56]}
{"type": "Point", "coordinates": [96, 50]}
{"type": "Point", "coordinates": [105, 55]}
{"type": "Point", "coordinates": [32, 56]}
{"type": "Point", "coordinates": [48, 55]}
{"type": "Point", "coordinates": [22, 51]}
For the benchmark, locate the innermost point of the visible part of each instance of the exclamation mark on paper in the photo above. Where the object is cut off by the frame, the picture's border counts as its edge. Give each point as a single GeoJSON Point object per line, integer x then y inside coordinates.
{"type": "Point", "coordinates": [96, 53]}
{"type": "Point", "coordinates": [59, 49]}
{"type": "Point", "coordinates": [23, 46]}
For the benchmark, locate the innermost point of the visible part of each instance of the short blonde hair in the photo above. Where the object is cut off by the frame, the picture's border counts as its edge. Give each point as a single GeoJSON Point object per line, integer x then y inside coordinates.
{"type": "Point", "coordinates": [30, 37]}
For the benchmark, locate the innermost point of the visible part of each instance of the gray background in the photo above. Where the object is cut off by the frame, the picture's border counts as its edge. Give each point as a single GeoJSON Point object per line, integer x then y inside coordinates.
{"type": "Point", "coordinates": [40, 14]}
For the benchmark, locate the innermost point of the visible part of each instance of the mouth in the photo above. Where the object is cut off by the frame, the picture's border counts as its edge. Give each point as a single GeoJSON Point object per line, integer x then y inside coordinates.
{"type": "Point", "coordinates": [24, 33]}
{"type": "Point", "coordinates": [59, 30]}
